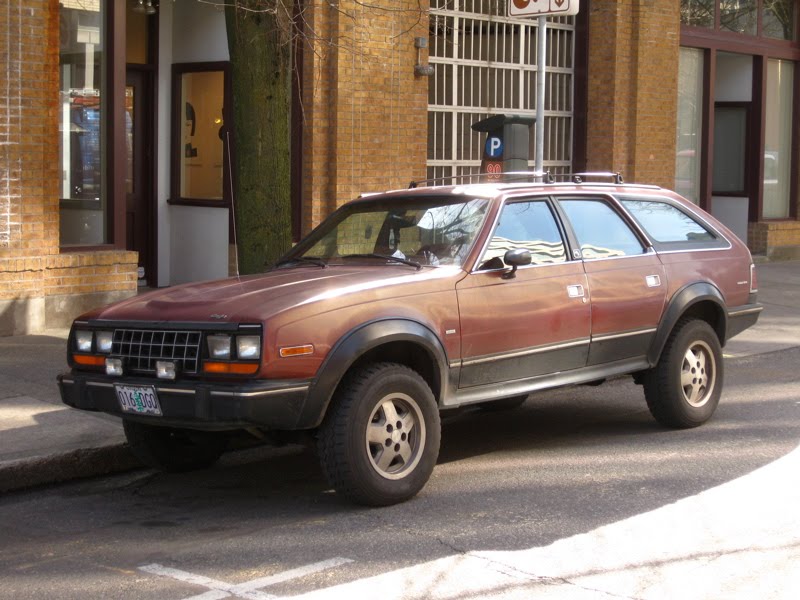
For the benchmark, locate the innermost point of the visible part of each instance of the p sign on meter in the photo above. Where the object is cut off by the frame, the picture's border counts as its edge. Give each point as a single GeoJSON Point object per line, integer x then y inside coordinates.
{"type": "Point", "coordinates": [494, 147]}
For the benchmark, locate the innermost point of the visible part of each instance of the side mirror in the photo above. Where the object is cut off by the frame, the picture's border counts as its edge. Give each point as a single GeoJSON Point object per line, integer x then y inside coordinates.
{"type": "Point", "coordinates": [519, 257]}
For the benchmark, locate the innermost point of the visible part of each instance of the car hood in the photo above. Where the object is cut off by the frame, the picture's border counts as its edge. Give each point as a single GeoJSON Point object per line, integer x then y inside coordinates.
{"type": "Point", "coordinates": [257, 297]}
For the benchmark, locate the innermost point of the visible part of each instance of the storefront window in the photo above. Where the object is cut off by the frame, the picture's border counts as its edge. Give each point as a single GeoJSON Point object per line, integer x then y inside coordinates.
{"type": "Point", "coordinates": [778, 139]}
{"type": "Point", "coordinates": [82, 68]}
{"type": "Point", "coordinates": [698, 13]}
{"type": "Point", "coordinates": [779, 19]}
{"type": "Point", "coordinates": [199, 140]}
{"type": "Point", "coordinates": [690, 124]}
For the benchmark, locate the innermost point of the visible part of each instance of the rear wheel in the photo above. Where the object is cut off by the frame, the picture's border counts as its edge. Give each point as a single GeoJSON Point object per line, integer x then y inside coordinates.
{"type": "Point", "coordinates": [380, 439]}
{"type": "Point", "coordinates": [171, 449]}
{"type": "Point", "coordinates": [684, 388]}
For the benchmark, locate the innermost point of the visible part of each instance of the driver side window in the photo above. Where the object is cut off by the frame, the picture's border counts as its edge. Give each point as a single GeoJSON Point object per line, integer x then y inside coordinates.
{"type": "Point", "coordinates": [529, 225]}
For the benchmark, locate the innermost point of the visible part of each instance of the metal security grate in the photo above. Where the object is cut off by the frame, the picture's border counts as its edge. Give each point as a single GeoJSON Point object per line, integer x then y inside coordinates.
{"type": "Point", "coordinates": [486, 64]}
{"type": "Point", "coordinates": [141, 348]}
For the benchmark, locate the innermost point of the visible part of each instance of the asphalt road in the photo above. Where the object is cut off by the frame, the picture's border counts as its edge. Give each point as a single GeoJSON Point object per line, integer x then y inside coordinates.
{"type": "Point", "coordinates": [263, 523]}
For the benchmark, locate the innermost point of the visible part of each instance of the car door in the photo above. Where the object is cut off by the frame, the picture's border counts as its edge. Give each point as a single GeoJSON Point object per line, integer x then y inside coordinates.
{"type": "Point", "coordinates": [533, 323]}
{"type": "Point", "coordinates": [626, 279]}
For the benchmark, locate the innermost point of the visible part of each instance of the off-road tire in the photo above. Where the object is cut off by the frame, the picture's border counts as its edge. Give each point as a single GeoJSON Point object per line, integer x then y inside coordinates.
{"type": "Point", "coordinates": [683, 389]}
{"type": "Point", "coordinates": [368, 459]}
{"type": "Point", "coordinates": [503, 404]}
{"type": "Point", "coordinates": [174, 450]}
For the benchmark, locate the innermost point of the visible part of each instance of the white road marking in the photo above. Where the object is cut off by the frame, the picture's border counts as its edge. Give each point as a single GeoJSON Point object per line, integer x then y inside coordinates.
{"type": "Point", "coordinates": [249, 589]}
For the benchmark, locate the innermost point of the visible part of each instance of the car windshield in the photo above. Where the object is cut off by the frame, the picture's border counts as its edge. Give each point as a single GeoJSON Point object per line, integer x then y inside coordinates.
{"type": "Point", "coordinates": [428, 231]}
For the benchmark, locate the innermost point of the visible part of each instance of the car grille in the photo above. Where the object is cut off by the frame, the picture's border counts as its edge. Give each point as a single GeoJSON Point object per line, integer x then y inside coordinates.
{"type": "Point", "coordinates": [141, 348]}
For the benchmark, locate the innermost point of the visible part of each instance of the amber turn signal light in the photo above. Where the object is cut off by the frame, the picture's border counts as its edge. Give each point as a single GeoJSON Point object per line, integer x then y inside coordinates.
{"type": "Point", "coordinates": [231, 368]}
{"type": "Point", "coordinates": [88, 360]}
{"type": "Point", "coordinates": [288, 351]}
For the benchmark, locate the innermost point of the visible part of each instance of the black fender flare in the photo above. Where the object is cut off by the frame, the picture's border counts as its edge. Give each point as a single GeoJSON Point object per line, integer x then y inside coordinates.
{"type": "Point", "coordinates": [354, 345]}
{"type": "Point", "coordinates": [681, 302]}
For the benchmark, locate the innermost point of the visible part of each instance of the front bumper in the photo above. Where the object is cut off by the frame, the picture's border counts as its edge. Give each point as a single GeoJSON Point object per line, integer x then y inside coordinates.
{"type": "Point", "coordinates": [271, 404]}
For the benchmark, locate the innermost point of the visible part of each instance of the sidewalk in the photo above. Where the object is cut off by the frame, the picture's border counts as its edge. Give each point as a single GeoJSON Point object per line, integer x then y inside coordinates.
{"type": "Point", "coordinates": [43, 441]}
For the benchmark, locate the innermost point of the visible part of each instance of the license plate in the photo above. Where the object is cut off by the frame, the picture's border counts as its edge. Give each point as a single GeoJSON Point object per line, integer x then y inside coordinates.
{"type": "Point", "coordinates": [138, 399]}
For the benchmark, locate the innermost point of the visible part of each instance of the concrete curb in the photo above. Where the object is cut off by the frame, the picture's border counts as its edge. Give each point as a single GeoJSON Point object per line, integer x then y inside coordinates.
{"type": "Point", "coordinates": [77, 464]}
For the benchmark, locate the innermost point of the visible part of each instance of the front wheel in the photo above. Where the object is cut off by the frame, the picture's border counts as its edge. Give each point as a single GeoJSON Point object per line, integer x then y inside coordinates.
{"type": "Point", "coordinates": [380, 439]}
{"type": "Point", "coordinates": [684, 388]}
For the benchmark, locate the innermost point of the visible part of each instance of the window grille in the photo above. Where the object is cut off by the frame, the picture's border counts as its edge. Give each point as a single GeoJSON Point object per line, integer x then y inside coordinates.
{"type": "Point", "coordinates": [485, 64]}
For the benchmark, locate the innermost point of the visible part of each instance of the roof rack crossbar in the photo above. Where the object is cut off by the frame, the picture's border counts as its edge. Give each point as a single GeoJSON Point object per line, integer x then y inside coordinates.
{"type": "Point", "coordinates": [545, 176]}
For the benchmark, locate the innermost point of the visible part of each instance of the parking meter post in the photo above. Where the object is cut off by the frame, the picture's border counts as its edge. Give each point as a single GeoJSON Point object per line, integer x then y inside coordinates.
{"type": "Point", "coordinates": [507, 146]}
{"type": "Point", "coordinates": [541, 60]}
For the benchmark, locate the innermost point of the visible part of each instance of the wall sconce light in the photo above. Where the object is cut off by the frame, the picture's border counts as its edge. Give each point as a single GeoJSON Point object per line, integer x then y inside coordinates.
{"type": "Point", "coordinates": [144, 7]}
{"type": "Point", "coordinates": [420, 69]}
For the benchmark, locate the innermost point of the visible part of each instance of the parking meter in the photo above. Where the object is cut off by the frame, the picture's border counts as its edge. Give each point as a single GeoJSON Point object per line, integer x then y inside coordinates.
{"type": "Point", "coordinates": [507, 147]}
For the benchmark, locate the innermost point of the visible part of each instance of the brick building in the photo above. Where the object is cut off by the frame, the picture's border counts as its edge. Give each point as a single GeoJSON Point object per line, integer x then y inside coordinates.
{"type": "Point", "coordinates": [111, 167]}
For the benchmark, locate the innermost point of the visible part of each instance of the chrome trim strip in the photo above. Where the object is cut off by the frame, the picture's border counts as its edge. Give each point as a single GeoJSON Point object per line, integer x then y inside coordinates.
{"type": "Point", "coordinates": [617, 336]}
{"type": "Point", "coordinates": [260, 394]}
{"type": "Point", "coordinates": [100, 384]}
{"type": "Point", "coordinates": [746, 311]}
{"type": "Point", "coordinates": [527, 352]}
{"type": "Point", "coordinates": [175, 391]}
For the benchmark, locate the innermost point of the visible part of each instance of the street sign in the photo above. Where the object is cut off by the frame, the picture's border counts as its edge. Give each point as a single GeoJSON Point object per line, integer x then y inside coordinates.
{"type": "Point", "coordinates": [538, 8]}
{"type": "Point", "coordinates": [494, 147]}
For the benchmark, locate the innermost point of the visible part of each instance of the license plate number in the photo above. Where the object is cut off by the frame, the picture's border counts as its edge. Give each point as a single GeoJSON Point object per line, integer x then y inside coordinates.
{"type": "Point", "coordinates": [139, 399]}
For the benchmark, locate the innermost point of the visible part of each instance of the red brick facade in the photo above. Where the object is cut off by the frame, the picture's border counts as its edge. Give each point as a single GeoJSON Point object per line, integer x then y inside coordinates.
{"type": "Point", "coordinates": [38, 282]}
{"type": "Point", "coordinates": [365, 110]}
{"type": "Point", "coordinates": [633, 75]}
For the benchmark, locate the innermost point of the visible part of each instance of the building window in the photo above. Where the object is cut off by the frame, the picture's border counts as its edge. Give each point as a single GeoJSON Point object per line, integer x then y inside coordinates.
{"type": "Point", "coordinates": [690, 124]}
{"type": "Point", "coordinates": [779, 18]}
{"type": "Point", "coordinates": [199, 138]}
{"type": "Point", "coordinates": [698, 13]}
{"type": "Point", "coordinates": [778, 139]}
{"type": "Point", "coordinates": [739, 16]}
{"type": "Point", "coordinates": [486, 64]}
{"type": "Point", "coordinates": [84, 202]}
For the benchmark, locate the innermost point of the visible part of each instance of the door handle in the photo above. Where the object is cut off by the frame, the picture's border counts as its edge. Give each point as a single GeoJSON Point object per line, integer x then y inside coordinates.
{"type": "Point", "coordinates": [653, 281]}
{"type": "Point", "coordinates": [575, 291]}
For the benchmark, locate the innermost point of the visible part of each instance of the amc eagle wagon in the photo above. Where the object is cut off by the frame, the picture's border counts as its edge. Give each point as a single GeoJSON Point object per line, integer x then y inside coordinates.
{"type": "Point", "coordinates": [408, 303]}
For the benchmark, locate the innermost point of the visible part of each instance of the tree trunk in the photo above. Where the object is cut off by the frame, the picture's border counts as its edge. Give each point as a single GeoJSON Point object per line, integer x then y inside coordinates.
{"type": "Point", "coordinates": [259, 35]}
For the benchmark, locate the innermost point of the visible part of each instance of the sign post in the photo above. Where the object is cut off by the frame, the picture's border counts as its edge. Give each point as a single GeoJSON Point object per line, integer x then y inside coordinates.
{"type": "Point", "coordinates": [541, 9]}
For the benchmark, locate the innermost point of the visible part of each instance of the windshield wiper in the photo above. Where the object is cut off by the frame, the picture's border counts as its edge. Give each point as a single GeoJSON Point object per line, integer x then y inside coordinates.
{"type": "Point", "coordinates": [405, 261]}
{"type": "Point", "coordinates": [303, 260]}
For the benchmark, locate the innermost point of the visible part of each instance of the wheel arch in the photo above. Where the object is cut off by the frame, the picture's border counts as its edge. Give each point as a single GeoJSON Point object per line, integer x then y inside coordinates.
{"type": "Point", "coordinates": [401, 341]}
{"type": "Point", "coordinates": [702, 300]}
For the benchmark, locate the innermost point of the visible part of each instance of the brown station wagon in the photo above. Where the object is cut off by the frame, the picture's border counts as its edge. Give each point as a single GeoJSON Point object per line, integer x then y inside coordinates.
{"type": "Point", "coordinates": [407, 303]}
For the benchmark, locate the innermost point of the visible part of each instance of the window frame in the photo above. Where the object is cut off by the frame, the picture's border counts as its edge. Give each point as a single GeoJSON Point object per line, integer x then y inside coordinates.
{"type": "Point", "coordinates": [712, 41]}
{"type": "Point", "coordinates": [178, 71]}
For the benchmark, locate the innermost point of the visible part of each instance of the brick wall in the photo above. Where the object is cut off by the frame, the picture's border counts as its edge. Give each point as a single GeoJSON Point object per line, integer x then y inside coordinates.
{"type": "Point", "coordinates": [365, 110]}
{"type": "Point", "coordinates": [632, 98]}
{"type": "Point", "coordinates": [777, 240]}
{"type": "Point", "coordinates": [32, 268]}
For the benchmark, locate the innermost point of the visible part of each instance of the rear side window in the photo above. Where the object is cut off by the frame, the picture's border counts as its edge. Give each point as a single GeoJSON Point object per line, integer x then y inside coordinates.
{"type": "Point", "coordinates": [666, 223]}
{"type": "Point", "coordinates": [601, 232]}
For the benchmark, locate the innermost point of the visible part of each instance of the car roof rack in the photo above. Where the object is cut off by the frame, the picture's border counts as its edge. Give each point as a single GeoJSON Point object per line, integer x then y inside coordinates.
{"type": "Point", "coordinates": [515, 176]}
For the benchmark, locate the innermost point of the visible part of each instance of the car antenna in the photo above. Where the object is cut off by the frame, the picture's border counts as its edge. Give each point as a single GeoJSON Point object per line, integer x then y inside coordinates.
{"type": "Point", "coordinates": [233, 205]}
